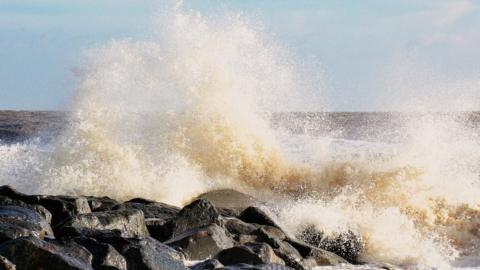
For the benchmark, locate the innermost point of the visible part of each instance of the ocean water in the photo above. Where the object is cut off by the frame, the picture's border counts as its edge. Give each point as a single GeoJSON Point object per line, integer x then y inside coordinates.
{"type": "Point", "coordinates": [199, 107]}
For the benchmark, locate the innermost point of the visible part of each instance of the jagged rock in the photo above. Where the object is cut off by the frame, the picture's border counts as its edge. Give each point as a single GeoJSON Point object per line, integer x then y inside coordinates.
{"type": "Point", "coordinates": [159, 229]}
{"type": "Point", "coordinates": [237, 226]}
{"type": "Point", "coordinates": [226, 212]}
{"type": "Point", "coordinates": [17, 221]}
{"type": "Point", "coordinates": [201, 243]}
{"type": "Point", "coordinates": [256, 215]}
{"type": "Point", "coordinates": [32, 253]}
{"type": "Point", "coordinates": [250, 253]}
{"type": "Point", "coordinates": [207, 265]}
{"type": "Point", "coordinates": [147, 253]}
{"type": "Point", "coordinates": [197, 214]}
{"type": "Point", "coordinates": [5, 264]}
{"type": "Point", "coordinates": [244, 266]}
{"type": "Point", "coordinates": [130, 223]}
{"type": "Point", "coordinates": [37, 208]}
{"type": "Point", "coordinates": [101, 203]}
{"type": "Point", "coordinates": [347, 245]}
{"type": "Point", "coordinates": [321, 257]}
{"type": "Point", "coordinates": [104, 255]}
{"type": "Point", "coordinates": [61, 207]}
{"type": "Point", "coordinates": [151, 209]}
{"type": "Point", "coordinates": [69, 231]}
{"type": "Point", "coordinates": [229, 199]}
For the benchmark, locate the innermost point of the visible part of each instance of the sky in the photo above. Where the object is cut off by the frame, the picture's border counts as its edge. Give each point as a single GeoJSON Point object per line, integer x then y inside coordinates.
{"type": "Point", "coordinates": [371, 54]}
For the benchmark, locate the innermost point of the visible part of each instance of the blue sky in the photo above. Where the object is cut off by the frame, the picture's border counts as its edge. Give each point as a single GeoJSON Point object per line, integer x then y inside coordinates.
{"type": "Point", "coordinates": [373, 54]}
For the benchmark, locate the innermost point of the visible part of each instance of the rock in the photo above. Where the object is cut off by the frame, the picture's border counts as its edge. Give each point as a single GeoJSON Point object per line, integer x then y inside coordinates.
{"type": "Point", "coordinates": [17, 221]}
{"type": "Point", "coordinates": [5, 264]}
{"type": "Point", "coordinates": [32, 253]}
{"type": "Point", "coordinates": [201, 243]}
{"type": "Point", "coordinates": [151, 210]}
{"type": "Point", "coordinates": [244, 266]}
{"type": "Point", "coordinates": [130, 223]}
{"type": "Point", "coordinates": [159, 229]}
{"type": "Point", "coordinates": [227, 212]}
{"type": "Point", "coordinates": [101, 203]}
{"type": "Point", "coordinates": [104, 255]}
{"type": "Point", "coordinates": [229, 199]}
{"type": "Point", "coordinates": [237, 226]}
{"type": "Point", "coordinates": [197, 214]}
{"type": "Point", "coordinates": [207, 265]}
{"type": "Point", "coordinates": [256, 215]}
{"type": "Point", "coordinates": [321, 257]}
{"type": "Point", "coordinates": [61, 207]}
{"type": "Point", "coordinates": [152, 255]}
{"type": "Point", "coordinates": [347, 245]}
{"type": "Point", "coordinates": [37, 208]}
{"type": "Point", "coordinates": [250, 253]}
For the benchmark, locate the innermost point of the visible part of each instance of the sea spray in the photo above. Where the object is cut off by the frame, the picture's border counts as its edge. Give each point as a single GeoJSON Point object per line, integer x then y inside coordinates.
{"type": "Point", "coordinates": [187, 112]}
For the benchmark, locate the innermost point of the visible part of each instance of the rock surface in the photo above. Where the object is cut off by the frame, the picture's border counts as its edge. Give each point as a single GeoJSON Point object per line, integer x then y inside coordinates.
{"type": "Point", "coordinates": [102, 233]}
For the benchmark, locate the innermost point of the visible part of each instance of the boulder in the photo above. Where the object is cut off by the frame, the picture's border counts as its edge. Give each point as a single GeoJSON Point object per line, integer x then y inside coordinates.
{"type": "Point", "coordinates": [130, 223]}
{"type": "Point", "coordinates": [197, 214]}
{"type": "Point", "coordinates": [347, 245]}
{"type": "Point", "coordinates": [150, 254]}
{"type": "Point", "coordinates": [61, 207]}
{"type": "Point", "coordinates": [17, 221]}
{"type": "Point", "coordinates": [150, 209]}
{"type": "Point", "coordinates": [244, 266]}
{"type": "Point", "coordinates": [101, 203]}
{"type": "Point", "coordinates": [229, 199]}
{"type": "Point", "coordinates": [159, 229]}
{"type": "Point", "coordinates": [32, 253]}
{"type": "Point", "coordinates": [256, 215]}
{"type": "Point", "coordinates": [321, 257]}
{"type": "Point", "coordinates": [5, 264]}
{"type": "Point", "coordinates": [104, 255]}
{"type": "Point", "coordinates": [207, 265]}
{"type": "Point", "coordinates": [37, 208]}
{"type": "Point", "coordinates": [250, 253]}
{"type": "Point", "coordinates": [236, 226]}
{"type": "Point", "coordinates": [201, 243]}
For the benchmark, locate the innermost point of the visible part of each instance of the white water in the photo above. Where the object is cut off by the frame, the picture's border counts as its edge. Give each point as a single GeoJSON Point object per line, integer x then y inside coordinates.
{"type": "Point", "coordinates": [181, 114]}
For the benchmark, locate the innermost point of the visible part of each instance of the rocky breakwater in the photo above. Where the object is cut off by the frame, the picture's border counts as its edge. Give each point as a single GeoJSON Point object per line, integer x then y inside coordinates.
{"type": "Point", "coordinates": [64, 232]}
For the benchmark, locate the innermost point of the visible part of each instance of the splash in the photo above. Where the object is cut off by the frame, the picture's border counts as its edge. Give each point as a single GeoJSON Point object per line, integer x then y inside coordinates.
{"type": "Point", "coordinates": [175, 116]}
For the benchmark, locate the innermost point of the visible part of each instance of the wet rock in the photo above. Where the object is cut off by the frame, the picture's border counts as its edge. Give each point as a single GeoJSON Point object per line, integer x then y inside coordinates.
{"type": "Point", "coordinates": [197, 214]}
{"type": "Point", "coordinates": [229, 199]}
{"type": "Point", "coordinates": [151, 254]}
{"type": "Point", "coordinates": [159, 229]}
{"type": "Point", "coordinates": [32, 253]}
{"type": "Point", "coordinates": [151, 210]}
{"type": "Point", "coordinates": [207, 265]}
{"type": "Point", "coordinates": [227, 212]}
{"type": "Point", "coordinates": [17, 221]}
{"type": "Point", "coordinates": [201, 243]}
{"type": "Point", "coordinates": [61, 207]}
{"type": "Point", "coordinates": [104, 255]}
{"type": "Point", "coordinates": [101, 203]}
{"type": "Point", "coordinates": [237, 226]}
{"type": "Point", "coordinates": [256, 215]}
{"type": "Point", "coordinates": [130, 223]}
{"type": "Point", "coordinates": [37, 208]}
{"type": "Point", "coordinates": [347, 245]}
{"type": "Point", "coordinates": [244, 266]}
{"type": "Point", "coordinates": [321, 257]}
{"type": "Point", "coordinates": [250, 253]}
{"type": "Point", "coordinates": [5, 264]}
